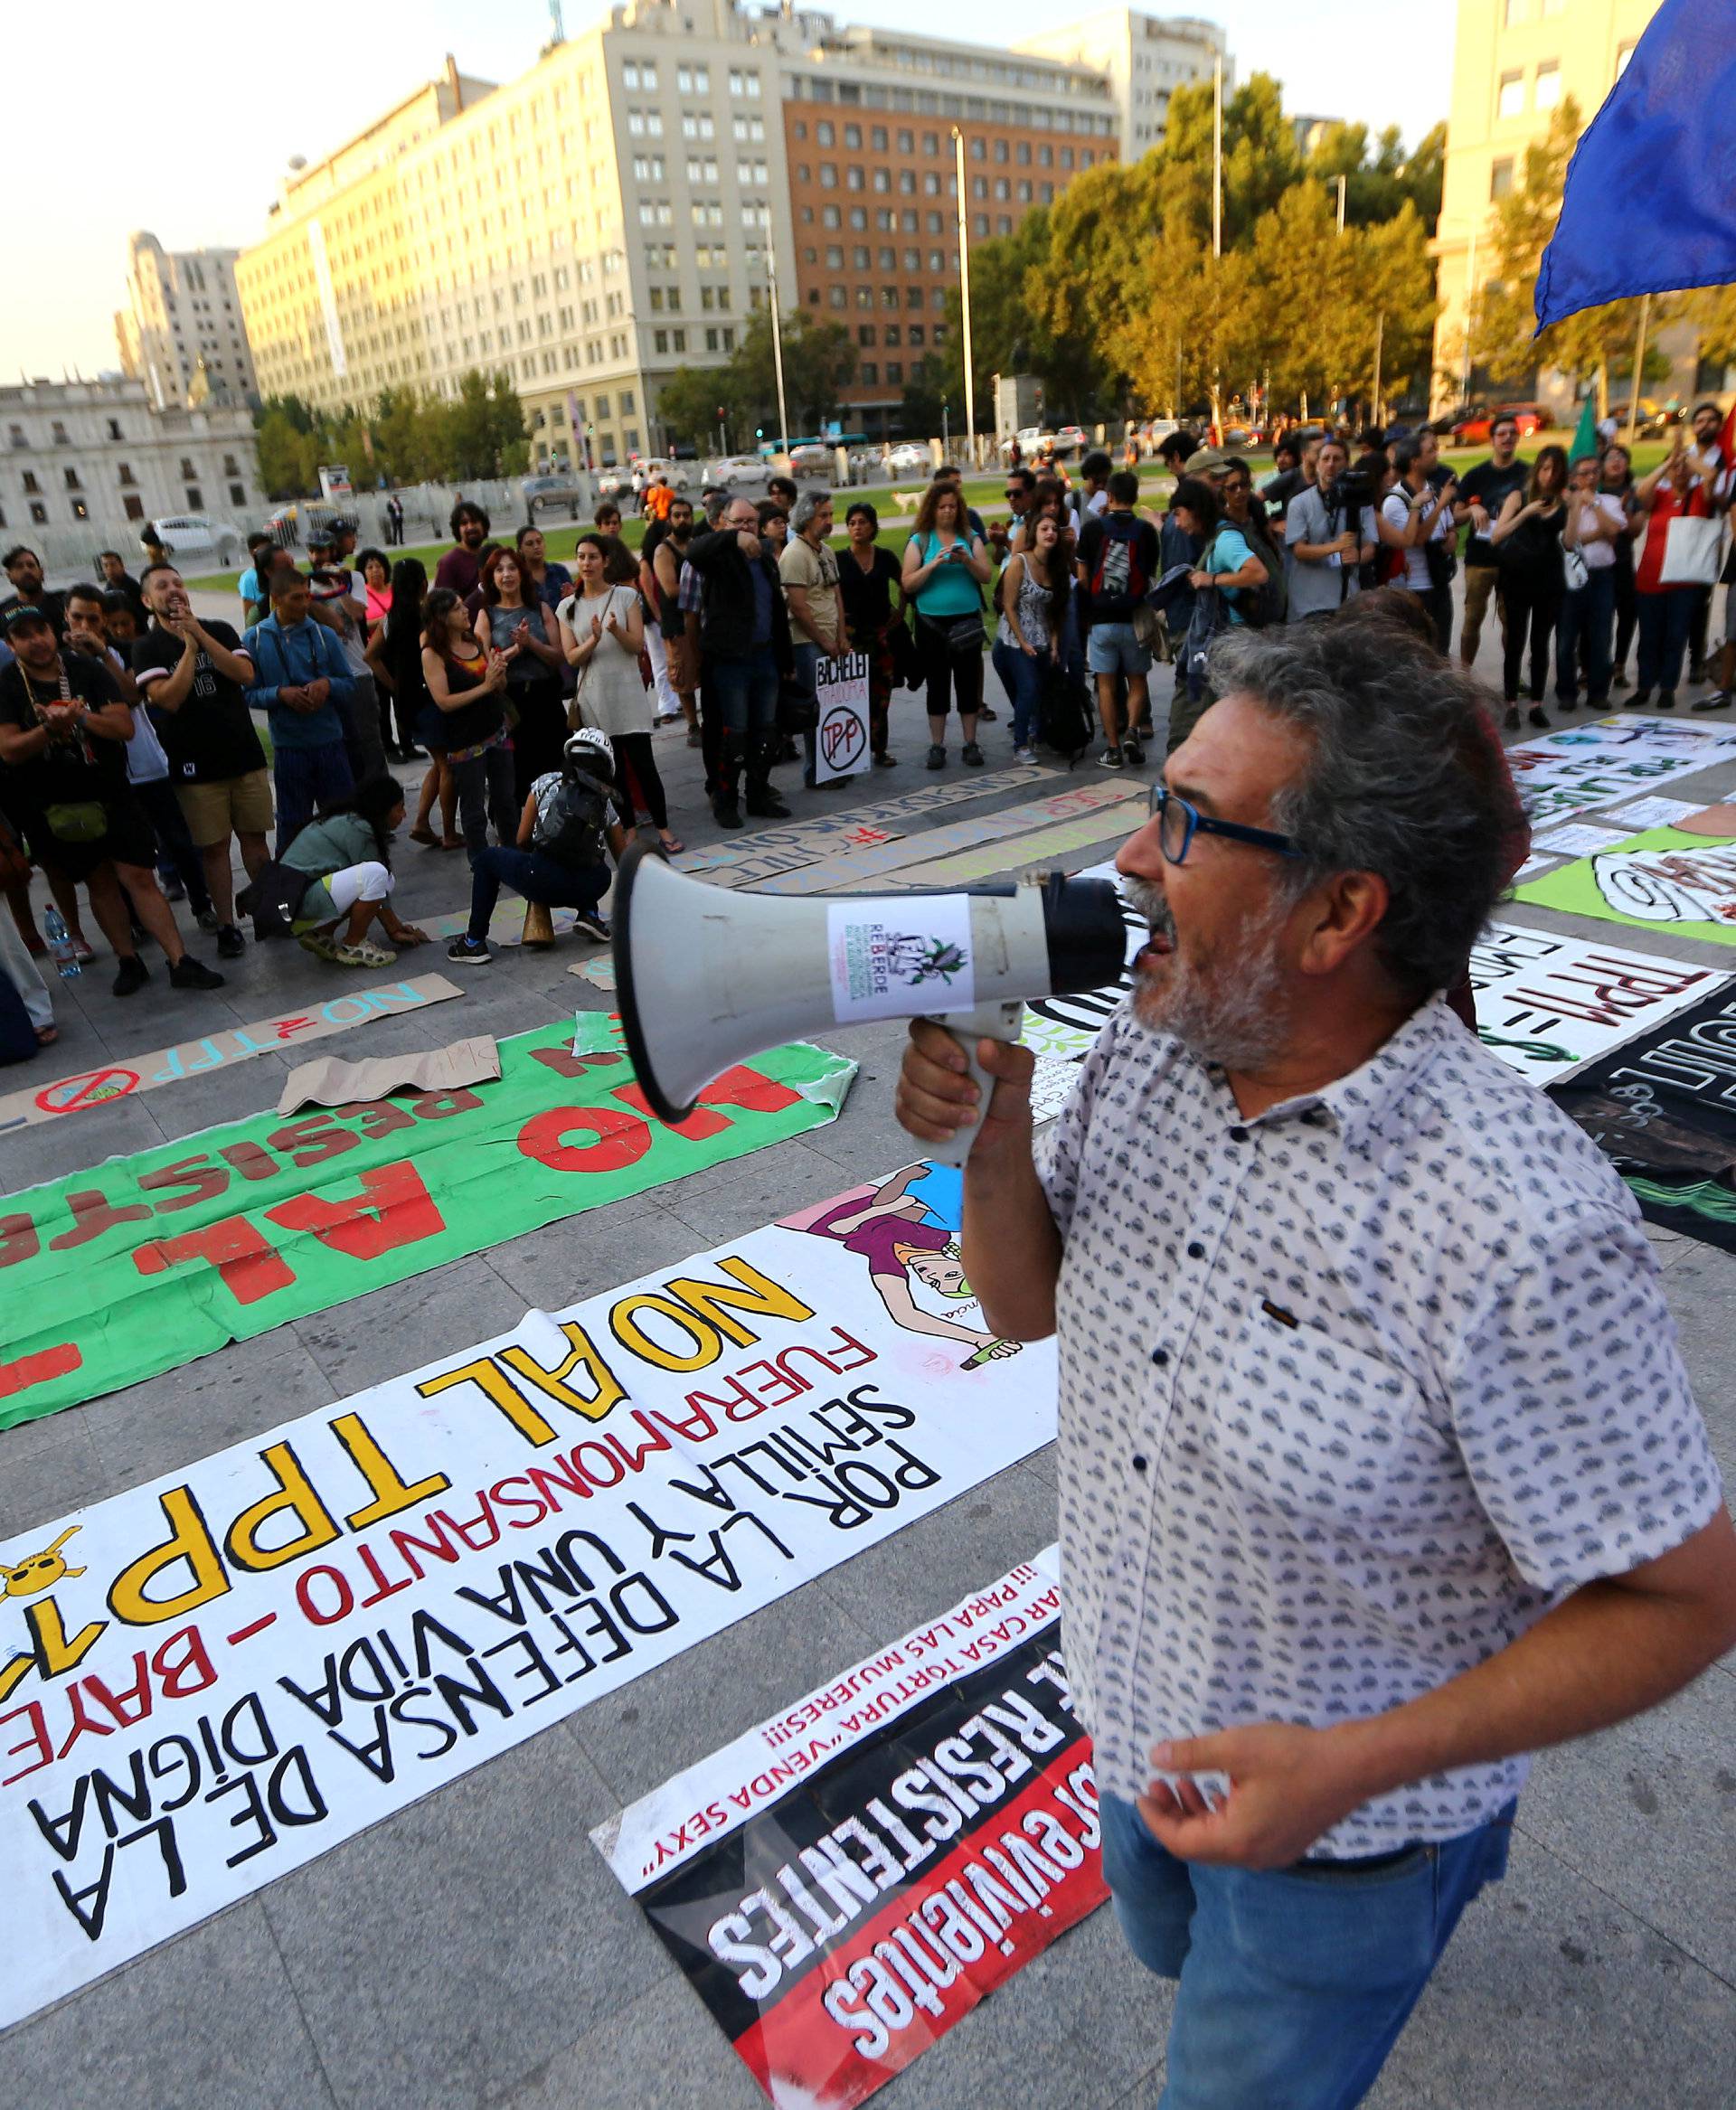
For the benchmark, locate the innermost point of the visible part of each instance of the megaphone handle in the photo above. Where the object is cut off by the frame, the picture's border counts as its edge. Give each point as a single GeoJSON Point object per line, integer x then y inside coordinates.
{"type": "Point", "coordinates": [993, 1021]}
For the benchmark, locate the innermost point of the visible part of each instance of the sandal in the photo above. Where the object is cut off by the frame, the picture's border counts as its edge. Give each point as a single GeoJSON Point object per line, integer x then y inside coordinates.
{"type": "Point", "coordinates": [47, 1035]}
{"type": "Point", "coordinates": [427, 837]}
{"type": "Point", "coordinates": [451, 842]}
{"type": "Point", "coordinates": [672, 843]}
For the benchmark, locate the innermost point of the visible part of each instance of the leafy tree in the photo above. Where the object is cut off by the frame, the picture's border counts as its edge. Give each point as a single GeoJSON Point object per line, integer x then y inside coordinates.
{"type": "Point", "coordinates": [1714, 310]}
{"type": "Point", "coordinates": [928, 394]}
{"type": "Point", "coordinates": [819, 362]}
{"type": "Point", "coordinates": [1377, 183]}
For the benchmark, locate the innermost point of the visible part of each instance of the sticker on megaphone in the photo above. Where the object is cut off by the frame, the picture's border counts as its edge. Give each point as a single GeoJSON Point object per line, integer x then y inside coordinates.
{"type": "Point", "coordinates": [885, 952]}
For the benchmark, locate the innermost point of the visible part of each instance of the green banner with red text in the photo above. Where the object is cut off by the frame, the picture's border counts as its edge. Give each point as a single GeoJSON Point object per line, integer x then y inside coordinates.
{"type": "Point", "coordinates": [148, 1261]}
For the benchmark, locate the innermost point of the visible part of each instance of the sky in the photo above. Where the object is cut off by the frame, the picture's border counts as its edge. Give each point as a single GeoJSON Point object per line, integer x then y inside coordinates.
{"type": "Point", "coordinates": [185, 120]}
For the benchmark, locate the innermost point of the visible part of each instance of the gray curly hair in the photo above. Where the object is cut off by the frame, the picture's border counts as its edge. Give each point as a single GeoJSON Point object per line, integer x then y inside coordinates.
{"type": "Point", "coordinates": [1405, 778]}
{"type": "Point", "coordinates": [805, 507]}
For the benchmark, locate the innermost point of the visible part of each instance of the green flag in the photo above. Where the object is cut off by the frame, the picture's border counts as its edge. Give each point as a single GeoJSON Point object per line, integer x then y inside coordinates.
{"type": "Point", "coordinates": [1585, 433]}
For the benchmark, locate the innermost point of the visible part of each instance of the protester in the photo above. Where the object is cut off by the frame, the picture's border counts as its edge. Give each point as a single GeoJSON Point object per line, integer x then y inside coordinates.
{"type": "Point", "coordinates": [346, 855]}
{"type": "Point", "coordinates": [467, 686]}
{"type": "Point", "coordinates": [1117, 565]}
{"type": "Point", "coordinates": [1615, 479]}
{"type": "Point", "coordinates": [64, 786]}
{"type": "Point", "coordinates": [606, 519]}
{"type": "Point", "coordinates": [666, 625]}
{"type": "Point", "coordinates": [1420, 517]}
{"type": "Point", "coordinates": [460, 569]}
{"type": "Point", "coordinates": [1334, 1559]}
{"type": "Point", "coordinates": [1020, 488]}
{"type": "Point", "coordinates": [255, 600]}
{"type": "Point", "coordinates": [1666, 613]}
{"type": "Point", "coordinates": [1527, 541]}
{"type": "Point", "coordinates": [745, 647]}
{"type": "Point", "coordinates": [781, 491]}
{"type": "Point", "coordinates": [516, 623]}
{"type": "Point", "coordinates": [179, 870]}
{"type": "Point", "coordinates": [1482, 492]}
{"type": "Point", "coordinates": [195, 676]}
{"type": "Point", "coordinates": [773, 519]}
{"type": "Point", "coordinates": [945, 569]}
{"type": "Point", "coordinates": [1227, 571]}
{"type": "Point", "coordinates": [1329, 536]}
{"type": "Point", "coordinates": [1094, 474]}
{"type": "Point", "coordinates": [373, 571]}
{"type": "Point", "coordinates": [20, 976]}
{"type": "Point", "coordinates": [1706, 458]}
{"type": "Point", "coordinates": [602, 633]}
{"type": "Point", "coordinates": [1035, 588]}
{"type": "Point", "coordinates": [116, 579]}
{"type": "Point", "coordinates": [24, 568]}
{"type": "Point", "coordinates": [1294, 466]}
{"type": "Point", "coordinates": [874, 619]}
{"type": "Point", "coordinates": [1246, 513]}
{"type": "Point", "coordinates": [300, 676]}
{"type": "Point", "coordinates": [337, 602]}
{"type": "Point", "coordinates": [1596, 523]}
{"type": "Point", "coordinates": [808, 569]}
{"type": "Point", "coordinates": [656, 498]}
{"type": "Point", "coordinates": [570, 817]}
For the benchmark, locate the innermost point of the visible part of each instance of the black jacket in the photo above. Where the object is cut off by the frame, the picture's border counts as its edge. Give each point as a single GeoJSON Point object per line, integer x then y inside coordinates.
{"type": "Point", "coordinates": [726, 617]}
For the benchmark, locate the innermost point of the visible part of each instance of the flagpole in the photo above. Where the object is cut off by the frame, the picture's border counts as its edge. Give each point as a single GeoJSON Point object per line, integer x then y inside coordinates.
{"type": "Point", "coordinates": [776, 337]}
{"type": "Point", "coordinates": [1217, 156]}
{"type": "Point", "coordinates": [1639, 368]}
{"type": "Point", "coordinates": [963, 294]}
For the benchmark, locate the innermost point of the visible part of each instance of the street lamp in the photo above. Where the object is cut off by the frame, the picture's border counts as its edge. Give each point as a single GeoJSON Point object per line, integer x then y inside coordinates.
{"type": "Point", "coordinates": [964, 285]}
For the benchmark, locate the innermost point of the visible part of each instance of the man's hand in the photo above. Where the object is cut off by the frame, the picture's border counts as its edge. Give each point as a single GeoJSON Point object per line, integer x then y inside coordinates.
{"type": "Point", "coordinates": [294, 698]}
{"type": "Point", "coordinates": [1479, 518]}
{"type": "Point", "coordinates": [937, 1097]}
{"type": "Point", "coordinates": [318, 692]}
{"type": "Point", "coordinates": [1287, 1786]}
{"type": "Point", "coordinates": [748, 543]}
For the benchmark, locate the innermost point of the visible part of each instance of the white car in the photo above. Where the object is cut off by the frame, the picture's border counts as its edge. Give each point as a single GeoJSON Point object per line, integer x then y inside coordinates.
{"type": "Point", "coordinates": [1071, 440]}
{"type": "Point", "coordinates": [731, 470]}
{"type": "Point", "coordinates": [912, 456]}
{"type": "Point", "coordinates": [191, 537]}
{"type": "Point", "coordinates": [674, 474]}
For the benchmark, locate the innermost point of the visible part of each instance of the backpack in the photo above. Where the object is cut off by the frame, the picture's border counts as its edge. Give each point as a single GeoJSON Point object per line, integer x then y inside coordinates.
{"type": "Point", "coordinates": [1063, 721]}
{"type": "Point", "coordinates": [1118, 570]}
{"type": "Point", "coordinates": [1267, 606]}
{"type": "Point", "coordinates": [568, 824]}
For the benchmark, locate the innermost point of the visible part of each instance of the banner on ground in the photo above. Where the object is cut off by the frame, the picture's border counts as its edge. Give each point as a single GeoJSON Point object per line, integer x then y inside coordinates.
{"type": "Point", "coordinates": [208, 1681]}
{"type": "Point", "coordinates": [1611, 760]}
{"type": "Point", "coordinates": [841, 738]}
{"type": "Point", "coordinates": [844, 1882]}
{"type": "Point", "coordinates": [140, 1266]}
{"type": "Point", "coordinates": [1662, 878]}
{"type": "Point", "coordinates": [1663, 1107]}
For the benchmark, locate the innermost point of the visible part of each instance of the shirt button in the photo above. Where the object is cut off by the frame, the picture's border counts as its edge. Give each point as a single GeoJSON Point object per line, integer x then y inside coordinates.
{"type": "Point", "coordinates": [1141, 1464]}
{"type": "Point", "coordinates": [1195, 1252]}
{"type": "Point", "coordinates": [1160, 1356]}
{"type": "Point", "coordinates": [1238, 1133]}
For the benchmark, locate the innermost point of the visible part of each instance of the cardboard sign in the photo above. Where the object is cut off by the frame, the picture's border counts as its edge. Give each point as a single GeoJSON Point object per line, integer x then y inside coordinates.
{"type": "Point", "coordinates": [842, 740]}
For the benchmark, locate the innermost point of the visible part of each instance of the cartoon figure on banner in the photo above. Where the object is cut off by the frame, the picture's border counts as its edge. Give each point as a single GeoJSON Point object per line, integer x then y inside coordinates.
{"type": "Point", "coordinates": [913, 1258]}
{"type": "Point", "coordinates": [37, 1572]}
{"type": "Point", "coordinates": [920, 959]}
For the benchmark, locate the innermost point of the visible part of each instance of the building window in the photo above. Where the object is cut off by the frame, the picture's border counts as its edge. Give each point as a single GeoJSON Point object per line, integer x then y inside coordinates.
{"type": "Point", "coordinates": [660, 342]}
{"type": "Point", "coordinates": [853, 137]}
{"type": "Point", "coordinates": [38, 512]}
{"type": "Point", "coordinates": [870, 372]}
{"type": "Point", "coordinates": [71, 477]}
{"type": "Point", "coordinates": [913, 335]}
{"type": "Point", "coordinates": [238, 494]}
{"type": "Point", "coordinates": [864, 297]}
{"type": "Point", "coordinates": [80, 511]}
{"type": "Point", "coordinates": [114, 432]}
{"type": "Point", "coordinates": [894, 372]}
{"type": "Point", "coordinates": [836, 294]}
{"type": "Point", "coordinates": [893, 335]}
{"type": "Point", "coordinates": [196, 499]}
{"type": "Point", "coordinates": [828, 175]}
{"type": "Point", "coordinates": [133, 505]}
{"type": "Point", "coordinates": [1500, 180]}
{"type": "Point", "coordinates": [123, 474]}
{"type": "Point", "coordinates": [865, 334]}
{"type": "Point", "coordinates": [1548, 91]}
{"type": "Point", "coordinates": [1510, 96]}
{"type": "Point", "coordinates": [825, 134]}
{"type": "Point", "coordinates": [58, 431]}
{"type": "Point", "coordinates": [30, 482]}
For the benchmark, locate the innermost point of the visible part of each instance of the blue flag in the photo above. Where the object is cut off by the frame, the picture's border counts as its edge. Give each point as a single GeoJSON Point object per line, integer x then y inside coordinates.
{"type": "Point", "coordinates": [1649, 204]}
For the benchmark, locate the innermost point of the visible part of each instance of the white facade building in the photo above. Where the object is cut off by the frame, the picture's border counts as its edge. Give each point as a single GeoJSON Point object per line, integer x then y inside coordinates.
{"type": "Point", "coordinates": [85, 464]}
{"type": "Point", "coordinates": [183, 314]}
{"type": "Point", "coordinates": [1146, 58]}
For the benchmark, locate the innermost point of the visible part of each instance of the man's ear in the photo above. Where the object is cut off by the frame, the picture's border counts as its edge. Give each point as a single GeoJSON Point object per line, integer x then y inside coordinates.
{"type": "Point", "coordinates": [1344, 911]}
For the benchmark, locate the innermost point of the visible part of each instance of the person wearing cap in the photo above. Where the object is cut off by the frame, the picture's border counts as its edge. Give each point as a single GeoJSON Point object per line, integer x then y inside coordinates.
{"type": "Point", "coordinates": [64, 734]}
{"type": "Point", "coordinates": [570, 817]}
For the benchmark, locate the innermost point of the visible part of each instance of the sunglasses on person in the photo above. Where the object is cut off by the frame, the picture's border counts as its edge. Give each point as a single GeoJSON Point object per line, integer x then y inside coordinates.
{"type": "Point", "coordinates": [1178, 823]}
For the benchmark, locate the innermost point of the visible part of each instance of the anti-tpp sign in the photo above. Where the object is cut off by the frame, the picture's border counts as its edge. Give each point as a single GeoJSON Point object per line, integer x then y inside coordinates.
{"type": "Point", "coordinates": [841, 740]}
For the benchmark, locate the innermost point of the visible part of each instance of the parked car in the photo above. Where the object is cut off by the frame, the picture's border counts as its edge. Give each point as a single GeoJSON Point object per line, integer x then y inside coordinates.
{"type": "Point", "coordinates": [613, 481]}
{"type": "Point", "coordinates": [1069, 439]}
{"type": "Point", "coordinates": [1238, 435]}
{"type": "Point", "coordinates": [909, 457]}
{"type": "Point", "coordinates": [729, 470]}
{"type": "Point", "coordinates": [192, 537]}
{"type": "Point", "coordinates": [673, 473]}
{"type": "Point", "coordinates": [1654, 418]}
{"type": "Point", "coordinates": [550, 493]}
{"type": "Point", "coordinates": [1530, 419]}
{"type": "Point", "coordinates": [812, 458]}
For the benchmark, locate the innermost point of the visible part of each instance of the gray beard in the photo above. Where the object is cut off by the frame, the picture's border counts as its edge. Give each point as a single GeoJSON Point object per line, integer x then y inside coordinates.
{"type": "Point", "coordinates": [1230, 1014]}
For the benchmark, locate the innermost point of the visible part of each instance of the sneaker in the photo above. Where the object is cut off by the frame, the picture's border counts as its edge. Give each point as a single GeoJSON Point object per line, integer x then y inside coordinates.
{"type": "Point", "coordinates": [206, 918]}
{"type": "Point", "coordinates": [1134, 750]}
{"type": "Point", "coordinates": [365, 955]}
{"type": "Point", "coordinates": [1719, 699]}
{"type": "Point", "coordinates": [936, 757]}
{"type": "Point", "coordinates": [81, 952]}
{"type": "Point", "coordinates": [590, 924]}
{"type": "Point", "coordinates": [1666, 699]}
{"type": "Point", "coordinates": [1538, 717]}
{"type": "Point", "coordinates": [1510, 719]}
{"type": "Point", "coordinates": [230, 944]}
{"type": "Point", "coordinates": [133, 975]}
{"type": "Point", "coordinates": [1566, 703]}
{"type": "Point", "coordinates": [1113, 759]}
{"type": "Point", "coordinates": [973, 756]}
{"type": "Point", "coordinates": [1021, 754]}
{"type": "Point", "coordinates": [173, 890]}
{"type": "Point", "coordinates": [885, 761]}
{"type": "Point", "coordinates": [320, 943]}
{"type": "Point", "coordinates": [1640, 699]}
{"type": "Point", "coordinates": [726, 813]}
{"type": "Point", "coordinates": [190, 974]}
{"type": "Point", "coordinates": [469, 952]}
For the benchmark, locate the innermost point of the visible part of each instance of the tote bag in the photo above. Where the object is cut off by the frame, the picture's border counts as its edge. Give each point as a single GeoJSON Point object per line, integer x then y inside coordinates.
{"type": "Point", "coordinates": [1692, 549]}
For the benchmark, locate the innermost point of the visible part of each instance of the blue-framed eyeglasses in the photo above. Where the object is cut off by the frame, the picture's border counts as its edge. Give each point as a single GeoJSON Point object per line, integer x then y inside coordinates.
{"type": "Point", "coordinates": [1178, 823]}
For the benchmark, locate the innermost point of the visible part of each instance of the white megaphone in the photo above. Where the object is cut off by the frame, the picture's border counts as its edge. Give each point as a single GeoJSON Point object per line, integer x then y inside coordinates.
{"type": "Point", "coordinates": [707, 978]}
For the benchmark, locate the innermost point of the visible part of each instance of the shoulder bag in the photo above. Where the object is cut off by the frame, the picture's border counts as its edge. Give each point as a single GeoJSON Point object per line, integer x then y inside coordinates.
{"type": "Point", "coordinates": [1692, 549]}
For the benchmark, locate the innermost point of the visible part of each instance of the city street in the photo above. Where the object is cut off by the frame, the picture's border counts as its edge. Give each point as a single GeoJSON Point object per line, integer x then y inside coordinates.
{"type": "Point", "coordinates": [475, 1950]}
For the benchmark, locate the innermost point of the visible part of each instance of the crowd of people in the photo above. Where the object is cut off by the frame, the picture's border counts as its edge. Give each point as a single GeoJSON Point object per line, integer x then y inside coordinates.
{"type": "Point", "coordinates": [132, 762]}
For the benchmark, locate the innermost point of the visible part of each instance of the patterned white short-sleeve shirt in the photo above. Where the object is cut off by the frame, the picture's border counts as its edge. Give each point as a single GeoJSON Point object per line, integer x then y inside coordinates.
{"type": "Point", "coordinates": [1351, 1393]}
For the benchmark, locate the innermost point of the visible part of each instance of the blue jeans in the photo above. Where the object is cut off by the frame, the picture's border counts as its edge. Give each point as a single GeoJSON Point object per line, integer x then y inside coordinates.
{"type": "Point", "coordinates": [745, 692]}
{"type": "Point", "coordinates": [1587, 626]}
{"type": "Point", "coordinates": [1664, 619]}
{"type": "Point", "coordinates": [536, 876]}
{"type": "Point", "coordinates": [1021, 678]}
{"type": "Point", "coordinates": [307, 777]}
{"type": "Point", "coordinates": [1294, 1982]}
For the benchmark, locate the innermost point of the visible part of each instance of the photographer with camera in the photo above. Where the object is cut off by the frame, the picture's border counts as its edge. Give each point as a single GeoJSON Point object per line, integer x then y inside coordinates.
{"type": "Point", "coordinates": [1419, 519]}
{"type": "Point", "coordinates": [1330, 532]}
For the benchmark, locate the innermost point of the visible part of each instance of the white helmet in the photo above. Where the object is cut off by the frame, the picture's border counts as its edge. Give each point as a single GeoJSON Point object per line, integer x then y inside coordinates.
{"type": "Point", "coordinates": [590, 744]}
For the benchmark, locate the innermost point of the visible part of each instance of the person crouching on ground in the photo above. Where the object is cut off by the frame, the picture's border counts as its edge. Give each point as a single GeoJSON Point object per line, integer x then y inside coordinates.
{"type": "Point", "coordinates": [347, 855]}
{"type": "Point", "coordinates": [570, 817]}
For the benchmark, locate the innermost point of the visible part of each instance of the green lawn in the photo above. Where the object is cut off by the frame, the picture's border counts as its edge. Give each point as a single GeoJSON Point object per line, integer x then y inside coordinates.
{"type": "Point", "coordinates": [985, 493]}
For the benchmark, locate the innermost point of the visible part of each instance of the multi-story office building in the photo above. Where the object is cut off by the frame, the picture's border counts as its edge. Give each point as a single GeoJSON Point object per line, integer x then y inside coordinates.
{"type": "Point", "coordinates": [1514, 62]}
{"type": "Point", "coordinates": [614, 214]}
{"type": "Point", "coordinates": [85, 464]}
{"type": "Point", "coordinates": [1145, 58]}
{"type": "Point", "coordinates": [182, 316]}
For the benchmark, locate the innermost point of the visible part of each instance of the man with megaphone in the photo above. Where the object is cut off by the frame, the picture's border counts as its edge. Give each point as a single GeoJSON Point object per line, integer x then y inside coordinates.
{"type": "Point", "coordinates": [1378, 1466]}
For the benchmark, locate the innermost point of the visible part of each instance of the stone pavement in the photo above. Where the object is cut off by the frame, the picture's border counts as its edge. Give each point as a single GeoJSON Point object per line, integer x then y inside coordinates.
{"type": "Point", "coordinates": [473, 1950]}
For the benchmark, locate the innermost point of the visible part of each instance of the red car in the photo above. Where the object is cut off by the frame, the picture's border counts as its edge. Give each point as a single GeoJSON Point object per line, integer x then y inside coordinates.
{"type": "Point", "coordinates": [1530, 418]}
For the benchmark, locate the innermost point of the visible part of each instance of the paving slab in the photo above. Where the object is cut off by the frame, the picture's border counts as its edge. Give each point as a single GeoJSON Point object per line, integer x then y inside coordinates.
{"type": "Point", "coordinates": [390, 1331]}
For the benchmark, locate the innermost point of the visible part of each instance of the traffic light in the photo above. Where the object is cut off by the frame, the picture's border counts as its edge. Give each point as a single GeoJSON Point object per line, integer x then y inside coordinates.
{"type": "Point", "coordinates": [759, 432]}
